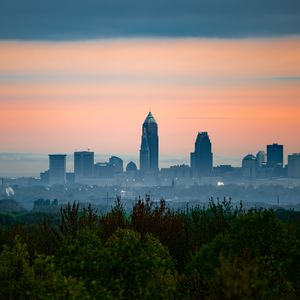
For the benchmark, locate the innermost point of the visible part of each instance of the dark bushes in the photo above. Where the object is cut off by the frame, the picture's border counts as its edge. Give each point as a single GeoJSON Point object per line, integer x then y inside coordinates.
{"type": "Point", "coordinates": [213, 252]}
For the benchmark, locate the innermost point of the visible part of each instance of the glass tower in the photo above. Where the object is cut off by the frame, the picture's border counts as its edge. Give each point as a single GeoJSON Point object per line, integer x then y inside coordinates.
{"type": "Point", "coordinates": [149, 145]}
{"type": "Point", "coordinates": [202, 157]}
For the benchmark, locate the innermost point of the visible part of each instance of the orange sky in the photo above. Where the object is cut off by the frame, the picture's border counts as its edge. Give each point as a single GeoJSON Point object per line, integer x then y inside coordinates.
{"type": "Point", "coordinates": [58, 97]}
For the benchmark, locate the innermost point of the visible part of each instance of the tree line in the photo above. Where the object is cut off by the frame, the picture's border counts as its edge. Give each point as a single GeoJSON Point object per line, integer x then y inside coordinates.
{"type": "Point", "coordinates": [215, 251]}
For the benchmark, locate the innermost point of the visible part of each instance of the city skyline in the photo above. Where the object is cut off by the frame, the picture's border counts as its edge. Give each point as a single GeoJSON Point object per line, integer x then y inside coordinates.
{"type": "Point", "coordinates": [264, 165]}
{"type": "Point", "coordinates": [167, 161]}
{"type": "Point", "coordinates": [164, 160]}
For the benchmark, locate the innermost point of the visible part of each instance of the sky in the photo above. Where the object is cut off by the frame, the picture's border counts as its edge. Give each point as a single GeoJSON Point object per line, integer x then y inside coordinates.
{"type": "Point", "coordinates": [78, 75]}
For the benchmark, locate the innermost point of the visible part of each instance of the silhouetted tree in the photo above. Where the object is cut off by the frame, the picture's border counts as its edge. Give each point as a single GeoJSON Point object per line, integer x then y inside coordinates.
{"type": "Point", "coordinates": [168, 226]}
{"type": "Point", "coordinates": [72, 219]}
{"type": "Point", "coordinates": [113, 220]}
{"type": "Point", "coordinates": [137, 268]}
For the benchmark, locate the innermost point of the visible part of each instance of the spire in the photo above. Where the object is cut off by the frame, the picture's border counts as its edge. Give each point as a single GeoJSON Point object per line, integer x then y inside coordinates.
{"type": "Point", "coordinates": [149, 118]}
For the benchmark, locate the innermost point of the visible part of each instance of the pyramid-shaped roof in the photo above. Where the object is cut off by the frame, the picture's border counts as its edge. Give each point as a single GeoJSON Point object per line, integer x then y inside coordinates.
{"type": "Point", "coordinates": [149, 118]}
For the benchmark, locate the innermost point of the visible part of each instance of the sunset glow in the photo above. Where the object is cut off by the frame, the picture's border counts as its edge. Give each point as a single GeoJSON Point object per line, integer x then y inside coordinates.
{"type": "Point", "coordinates": [65, 96]}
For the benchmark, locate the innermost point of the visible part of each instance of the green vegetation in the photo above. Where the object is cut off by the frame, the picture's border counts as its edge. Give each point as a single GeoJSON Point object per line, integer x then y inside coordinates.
{"type": "Point", "coordinates": [213, 252]}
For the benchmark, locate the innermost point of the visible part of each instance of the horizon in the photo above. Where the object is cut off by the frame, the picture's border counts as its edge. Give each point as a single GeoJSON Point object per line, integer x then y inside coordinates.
{"type": "Point", "coordinates": [13, 164]}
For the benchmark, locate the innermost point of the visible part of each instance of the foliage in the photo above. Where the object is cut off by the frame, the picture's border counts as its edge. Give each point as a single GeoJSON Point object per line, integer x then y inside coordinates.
{"type": "Point", "coordinates": [205, 223]}
{"type": "Point", "coordinates": [113, 220]}
{"type": "Point", "coordinates": [79, 256]}
{"type": "Point", "coordinates": [251, 260]}
{"type": "Point", "coordinates": [20, 279]}
{"type": "Point", "coordinates": [72, 219]}
{"type": "Point", "coordinates": [159, 220]}
{"type": "Point", "coordinates": [136, 268]}
{"type": "Point", "coordinates": [126, 266]}
{"type": "Point", "coordinates": [213, 252]}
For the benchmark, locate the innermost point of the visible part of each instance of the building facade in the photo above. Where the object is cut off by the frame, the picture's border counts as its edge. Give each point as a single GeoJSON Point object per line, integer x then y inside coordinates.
{"type": "Point", "coordinates": [57, 169]}
{"type": "Point", "coordinates": [275, 156]}
{"type": "Point", "coordinates": [249, 165]}
{"type": "Point", "coordinates": [117, 164]}
{"type": "Point", "coordinates": [83, 164]}
{"type": "Point", "coordinates": [261, 158]}
{"type": "Point", "coordinates": [202, 157]}
{"type": "Point", "coordinates": [149, 145]}
{"type": "Point", "coordinates": [294, 165]}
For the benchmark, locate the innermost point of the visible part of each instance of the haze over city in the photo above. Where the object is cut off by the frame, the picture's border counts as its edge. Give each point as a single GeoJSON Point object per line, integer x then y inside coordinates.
{"type": "Point", "coordinates": [222, 81]}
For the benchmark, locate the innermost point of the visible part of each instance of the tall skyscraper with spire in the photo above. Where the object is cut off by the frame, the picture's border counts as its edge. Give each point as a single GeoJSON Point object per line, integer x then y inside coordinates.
{"type": "Point", "coordinates": [149, 145]}
{"type": "Point", "coordinates": [202, 157]}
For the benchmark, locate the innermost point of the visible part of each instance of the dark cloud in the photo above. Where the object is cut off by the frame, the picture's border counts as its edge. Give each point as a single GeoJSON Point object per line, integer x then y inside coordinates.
{"type": "Point", "coordinates": [92, 19]}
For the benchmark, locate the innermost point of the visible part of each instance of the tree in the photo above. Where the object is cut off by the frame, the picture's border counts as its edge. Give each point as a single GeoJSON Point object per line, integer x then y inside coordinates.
{"type": "Point", "coordinates": [113, 220]}
{"type": "Point", "coordinates": [248, 262]}
{"type": "Point", "coordinates": [166, 225]}
{"type": "Point", "coordinates": [72, 219]}
{"type": "Point", "coordinates": [136, 268]}
{"type": "Point", "coordinates": [19, 279]}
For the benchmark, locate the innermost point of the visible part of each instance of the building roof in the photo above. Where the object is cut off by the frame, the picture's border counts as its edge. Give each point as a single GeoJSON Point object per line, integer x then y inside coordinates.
{"type": "Point", "coordinates": [149, 118]}
{"type": "Point", "coordinates": [131, 166]}
{"type": "Point", "coordinates": [249, 157]}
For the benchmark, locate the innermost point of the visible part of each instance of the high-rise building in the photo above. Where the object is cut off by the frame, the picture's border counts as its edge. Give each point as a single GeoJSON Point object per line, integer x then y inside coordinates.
{"type": "Point", "coordinates": [83, 164]}
{"type": "Point", "coordinates": [275, 156]}
{"type": "Point", "coordinates": [202, 157]}
{"type": "Point", "coordinates": [249, 166]}
{"type": "Point", "coordinates": [109, 169]}
{"type": "Point", "coordinates": [261, 158]}
{"type": "Point", "coordinates": [44, 177]}
{"type": "Point", "coordinates": [149, 145]}
{"type": "Point", "coordinates": [117, 164]}
{"type": "Point", "coordinates": [57, 169]}
{"type": "Point", "coordinates": [294, 165]}
{"type": "Point", "coordinates": [103, 170]}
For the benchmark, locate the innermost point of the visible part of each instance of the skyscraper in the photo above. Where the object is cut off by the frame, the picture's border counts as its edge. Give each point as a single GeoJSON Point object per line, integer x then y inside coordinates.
{"type": "Point", "coordinates": [117, 164]}
{"type": "Point", "coordinates": [261, 158]}
{"type": "Point", "coordinates": [83, 164]}
{"type": "Point", "coordinates": [202, 157]}
{"type": "Point", "coordinates": [149, 145]}
{"type": "Point", "coordinates": [275, 156]}
{"type": "Point", "coordinates": [57, 169]}
{"type": "Point", "coordinates": [294, 165]}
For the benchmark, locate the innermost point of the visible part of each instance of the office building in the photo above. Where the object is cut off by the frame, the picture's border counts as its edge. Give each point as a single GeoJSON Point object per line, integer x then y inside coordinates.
{"type": "Point", "coordinates": [57, 169]}
{"type": "Point", "coordinates": [249, 166]}
{"type": "Point", "coordinates": [261, 159]}
{"type": "Point", "coordinates": [44, 177]}
{"type": "Point", "coordinates": [103, 170]}
{"type": "Point", "coordinates": [83, 164]}
{"type": "Point", "coordinates": [174, 175]}
{"type": "Point", "coordinates": [275, 156]}
{"type": "Point", "coordinates": [116, 163]}
{"type": "Point", "coordinates": [202, 157]}
{"type": "Point", "coordinates": [109, 169]}
{"type": "Point", "coordinates": [149, 145]}
{"type": "Point", "coordinates": [294, 165]}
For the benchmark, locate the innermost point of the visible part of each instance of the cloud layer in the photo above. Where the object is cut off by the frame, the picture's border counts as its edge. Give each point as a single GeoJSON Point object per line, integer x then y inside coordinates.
{"type": "Point", "coordinates": [94, 19]}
